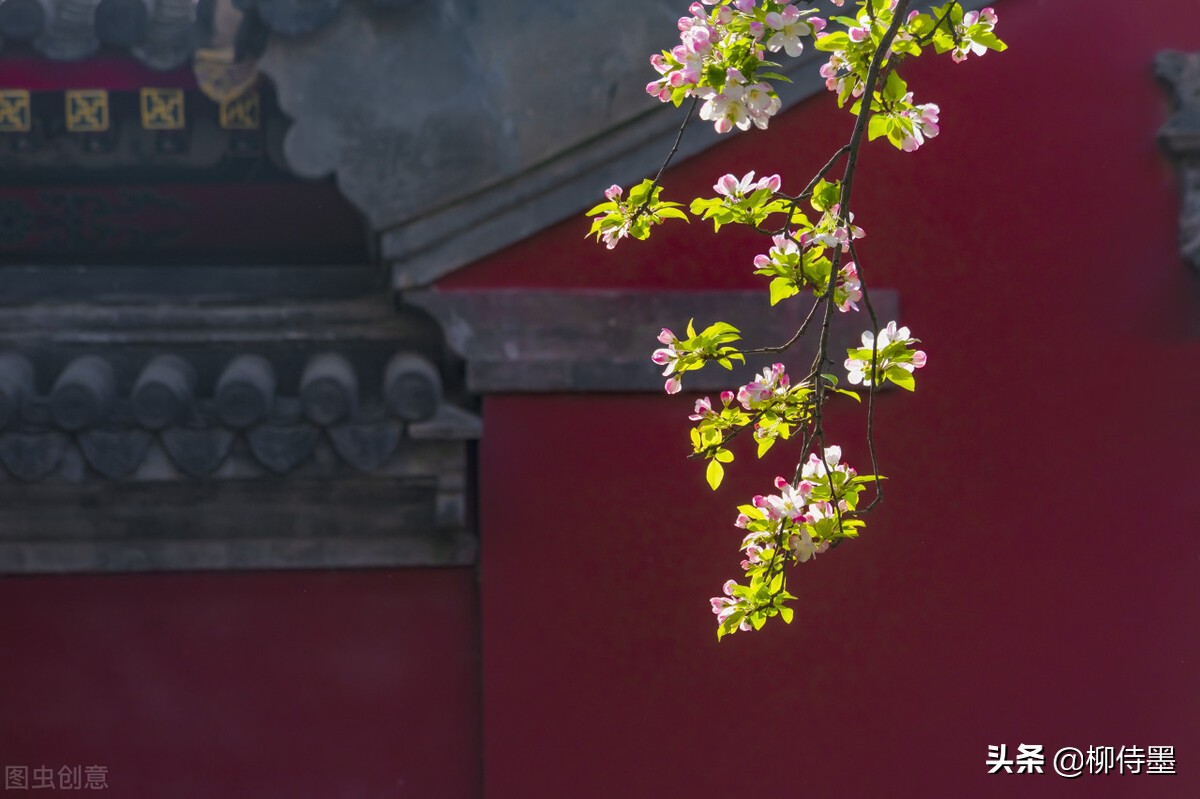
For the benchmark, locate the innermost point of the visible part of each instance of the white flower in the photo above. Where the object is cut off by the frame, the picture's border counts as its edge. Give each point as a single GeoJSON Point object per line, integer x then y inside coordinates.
{"type": "Point", "coordinates": [788, 29]}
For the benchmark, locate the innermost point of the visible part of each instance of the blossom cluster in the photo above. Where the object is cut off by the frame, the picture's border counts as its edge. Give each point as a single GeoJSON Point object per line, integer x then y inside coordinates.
{"type": "Point", "coordinates": [796, 524]}
{"type": "Point", "coordinates": [721, 55]}
{"type": "Point", "coordinates": [799, 257]}
{"type": "Point", "coordinates": [668, 356]}
{"type": "Point", "coordinates": [721, 60]}
{"type": "Point", "coordinates": [973, 34]}
{"type": "Point", "coordinates": [685, 355]}
{"type": "Point", "coordinates": [895, 360]}
{"type": "Point", "coordinates": [905, 123]}
{"type": "Point", "coordinates": [622, 217]}
{"type": "Point", "coordinates": [769, 402]}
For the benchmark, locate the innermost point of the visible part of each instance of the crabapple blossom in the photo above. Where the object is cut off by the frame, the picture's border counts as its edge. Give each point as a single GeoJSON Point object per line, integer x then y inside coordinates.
{"type": "Point", "coordinates": [924, 120]}
{"type": "Point", "coordinates": [832, 71]}
{"type": "Point", "coordinates": [831, 233]}
{"type": "Point", "coordinates": [761, 104]}
{"type": "Point", "coordinates": [790, 502]}
{"type": "Point", "coordinates": [726, 110]}
{"type": "Point", "coordinates": [730, 187]}
{"type": "Point", "coordinates": [816, 468]}
{"type": "Point", "coordinates": [669, 357]}
{"type": "Point", "coordinates": [802, 545]}
{"type": "Point", "coordinates": [975, 24]}
{"type": "Point", "coordinates": [849, 288]}
{"type": "Point", "coordinates": [721, 62]}
{"type": "Point", "coordinates": [614, 235]}
{"type": "Point", "coordinates": [770, 383]}
{"type": "Point", "coordinates": [703, 409]}
{"type": "Point", "coordinates": [784, 247]}
{"type": "Point", "coordinates": [726, 606]}
{"type": "Point", "coordinates": [895, 360]}
{"type": "Point", "coordinates": [720, 53]}
{"type": "Point", "coordinates": [788, 27]}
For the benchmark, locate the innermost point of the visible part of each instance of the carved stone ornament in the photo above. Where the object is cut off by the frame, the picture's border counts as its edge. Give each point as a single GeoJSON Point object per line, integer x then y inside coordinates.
{"type": "Point", "coordinates": [1180, 137]}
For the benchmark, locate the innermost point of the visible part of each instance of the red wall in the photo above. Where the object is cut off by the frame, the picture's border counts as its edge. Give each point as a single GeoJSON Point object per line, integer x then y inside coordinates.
{"type": "Point", "coordinates": [1053, 599]}
{"type": "Point", "coordinates": [306, 684]}
{"type": "Point", "coordinates": [1031, 577]}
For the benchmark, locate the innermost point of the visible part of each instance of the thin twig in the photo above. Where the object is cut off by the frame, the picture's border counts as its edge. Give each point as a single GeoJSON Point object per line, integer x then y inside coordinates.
{"type": "Point", "coordinates": [667, 161]}
{"type": "Point", "coordinates": [862, 284]}
{"type": "Point", "coordinates": [929, 37]}
{"type": "Point", "coordinates": [793, 339]}
{"type": "Point", "coordinates": [855, 144]}
{"type": "Point", "coordinates": [808, 190]}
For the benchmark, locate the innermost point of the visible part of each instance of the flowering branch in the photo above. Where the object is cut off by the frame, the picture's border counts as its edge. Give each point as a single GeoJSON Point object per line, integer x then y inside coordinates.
{"type": "Point", "coordinates": [721, 64]}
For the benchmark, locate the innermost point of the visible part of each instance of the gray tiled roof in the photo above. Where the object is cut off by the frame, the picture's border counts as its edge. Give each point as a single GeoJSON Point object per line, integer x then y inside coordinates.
{"type": "Point", "coordinates": [161, 33]}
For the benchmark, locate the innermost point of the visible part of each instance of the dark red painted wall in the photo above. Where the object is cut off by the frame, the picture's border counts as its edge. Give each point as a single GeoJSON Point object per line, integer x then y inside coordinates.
{"type": "Point", "coordinates": [1053, 600]}
{"type": "Point", "coordinates": [308, 684]}
{"type": "Point", "coordinates": [1031, 577]}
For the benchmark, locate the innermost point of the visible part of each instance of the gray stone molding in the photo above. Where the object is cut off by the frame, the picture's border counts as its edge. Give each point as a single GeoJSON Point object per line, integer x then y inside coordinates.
{"type": "Point", "coordinates": [600, 341]}
{"type": "Point", "coordinates": [294, 434]}
{"type": "Point", "coordinates": [1180, 137]}
{"type": "Point", "coordinates": [235, 524]}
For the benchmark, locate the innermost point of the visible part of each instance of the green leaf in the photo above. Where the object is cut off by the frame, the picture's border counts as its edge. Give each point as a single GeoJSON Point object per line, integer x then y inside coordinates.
{"type": "Point", "coordinates": [901, 377]}
{"type": "Point", "coordinates": [715, 474]}
{"type": "Point", "coordinates": [826, 195]}
{"type": "Point", "coordinates": [671, 213]}
{"type": "Point", "coordinates": [877, 127]}
{"type": "Point", "coordinates": [602, 208]}
{"type": "Point", "coordinates": [764, 444]}
{"type": "Point", "coordinates": [990, 41]}
{"type": "Point", "coordinates": [895, 88]}
{"type": "Point", "coordinates": [786, 614]}
{"type": "Point", "coordinates": [782, 288]}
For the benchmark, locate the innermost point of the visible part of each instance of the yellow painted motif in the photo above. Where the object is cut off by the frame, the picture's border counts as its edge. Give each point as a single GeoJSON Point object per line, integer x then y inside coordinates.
{"type": "Point", "coordinates": [14, 111]}
{"type": "Point", "coordinates": [87, 110]}
{"type": "Point", "coordinates": [242, 112]}
{"type": "Point", "coordinates": [162, 109]}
